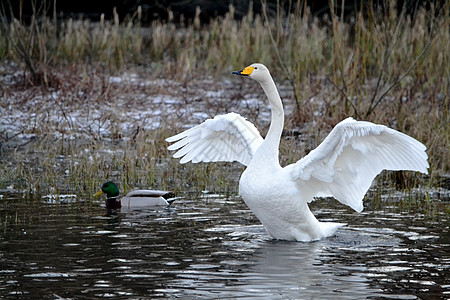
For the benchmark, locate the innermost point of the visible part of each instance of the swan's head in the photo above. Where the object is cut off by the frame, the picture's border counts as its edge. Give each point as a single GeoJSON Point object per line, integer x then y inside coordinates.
{"type": "Point", "coordinates": [258, 72]}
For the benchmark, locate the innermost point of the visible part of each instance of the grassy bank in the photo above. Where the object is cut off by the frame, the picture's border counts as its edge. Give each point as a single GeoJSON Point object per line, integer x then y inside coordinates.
{"type": "Point", "coordinates": [382, 66]}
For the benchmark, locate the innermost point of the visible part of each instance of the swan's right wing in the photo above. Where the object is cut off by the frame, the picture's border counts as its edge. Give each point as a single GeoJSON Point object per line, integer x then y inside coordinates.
{"type": "Point", "coordinates": [225, 138]}
{"type": "Point", "coordinates": [347, 161]}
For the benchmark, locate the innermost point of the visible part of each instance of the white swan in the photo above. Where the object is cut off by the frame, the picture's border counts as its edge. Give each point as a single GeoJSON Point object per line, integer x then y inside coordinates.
{"type": "Point", "coordinates": [343, 165]}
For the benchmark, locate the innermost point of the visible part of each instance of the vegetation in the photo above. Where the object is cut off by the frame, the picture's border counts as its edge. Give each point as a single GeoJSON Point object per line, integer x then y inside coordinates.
{"type": "Point", "coordinates": [385, 66]}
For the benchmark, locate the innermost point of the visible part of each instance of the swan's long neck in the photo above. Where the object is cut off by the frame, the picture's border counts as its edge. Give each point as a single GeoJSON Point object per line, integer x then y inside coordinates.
{"type": "Point", "coordinates": [271, 143]}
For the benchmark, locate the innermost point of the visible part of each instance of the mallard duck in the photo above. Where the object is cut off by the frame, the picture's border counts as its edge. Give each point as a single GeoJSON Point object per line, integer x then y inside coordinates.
{"type": "Point", "coordinates": [136, 198]}
{"type": "Point", "coordinates": [342, 166]}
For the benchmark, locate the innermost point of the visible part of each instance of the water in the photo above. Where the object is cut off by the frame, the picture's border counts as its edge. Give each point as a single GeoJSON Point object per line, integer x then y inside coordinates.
{"type": "Point", "coordinates": [213, 247]}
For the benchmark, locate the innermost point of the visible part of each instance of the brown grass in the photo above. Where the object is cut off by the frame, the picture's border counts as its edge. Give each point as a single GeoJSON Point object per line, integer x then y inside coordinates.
{"type": "Point", "coordinates": [385, 67]}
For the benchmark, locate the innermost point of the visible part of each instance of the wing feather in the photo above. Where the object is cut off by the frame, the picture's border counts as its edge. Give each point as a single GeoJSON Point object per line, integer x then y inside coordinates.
{"type": "Point", "coordinates": [178, 144]}
{"type": "Point", "coordinates": [352, 155]}
{"type": "Point", "coordinates": [225, 138]}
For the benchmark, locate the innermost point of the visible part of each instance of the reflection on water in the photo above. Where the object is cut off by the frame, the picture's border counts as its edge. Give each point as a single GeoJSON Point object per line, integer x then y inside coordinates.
{"type": "Point", "coordinates": [214, 248]}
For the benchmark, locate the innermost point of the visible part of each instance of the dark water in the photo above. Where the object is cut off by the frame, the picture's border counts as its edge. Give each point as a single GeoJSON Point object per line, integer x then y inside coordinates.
{"type": "Point", "coordinates": [213, 247]}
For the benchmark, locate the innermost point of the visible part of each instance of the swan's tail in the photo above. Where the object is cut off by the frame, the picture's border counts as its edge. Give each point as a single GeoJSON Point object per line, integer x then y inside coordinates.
{"type": "Point", "coordinates": [329, 228]}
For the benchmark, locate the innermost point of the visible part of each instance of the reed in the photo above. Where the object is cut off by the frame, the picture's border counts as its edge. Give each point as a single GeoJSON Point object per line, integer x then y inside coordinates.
{"type": "Point", "coordinates": [383, 66]}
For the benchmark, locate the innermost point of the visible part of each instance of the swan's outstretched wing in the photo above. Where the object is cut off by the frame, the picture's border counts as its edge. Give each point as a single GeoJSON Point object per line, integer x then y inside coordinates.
{"type": "Point", "coordinates": [225, 138]}
{"type": "Point", "coordinates": [346, 162]}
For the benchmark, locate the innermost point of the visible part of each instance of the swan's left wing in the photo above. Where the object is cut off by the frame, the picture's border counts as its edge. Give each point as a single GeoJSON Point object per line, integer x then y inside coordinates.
{"type": "Point", "coordinates": [346, 162]}
{"type": "Point", "coordinates": [225, 138]}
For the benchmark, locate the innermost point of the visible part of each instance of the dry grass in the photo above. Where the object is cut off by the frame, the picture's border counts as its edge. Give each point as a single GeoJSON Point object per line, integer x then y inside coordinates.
{"type": "Point", "coordinates": [385, 67]}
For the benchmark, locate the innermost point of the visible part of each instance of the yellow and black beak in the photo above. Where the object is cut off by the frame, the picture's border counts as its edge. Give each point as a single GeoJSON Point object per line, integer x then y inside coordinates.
{"type": "Point", "coordinates": [98, 193]}
{"type": "Point", "coordinates": [244, 72]}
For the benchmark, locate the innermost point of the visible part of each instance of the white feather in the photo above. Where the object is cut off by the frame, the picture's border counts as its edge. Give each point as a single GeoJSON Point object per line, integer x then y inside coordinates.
{"type": "Point", "coordinates": [347, 161]}
{"type": "Point", "coordinates": [343, 165]}
{"type": "Point", "coordinates": [225, 138]}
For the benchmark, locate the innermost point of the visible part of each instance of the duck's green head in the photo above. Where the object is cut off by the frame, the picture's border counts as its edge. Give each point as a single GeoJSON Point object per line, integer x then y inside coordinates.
{"type": "Point", "coordinates": [110, 189]}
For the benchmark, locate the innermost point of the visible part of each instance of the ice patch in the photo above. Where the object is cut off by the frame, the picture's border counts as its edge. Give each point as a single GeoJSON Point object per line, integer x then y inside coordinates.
{"type": "Point", "coordinates": [53, 198]}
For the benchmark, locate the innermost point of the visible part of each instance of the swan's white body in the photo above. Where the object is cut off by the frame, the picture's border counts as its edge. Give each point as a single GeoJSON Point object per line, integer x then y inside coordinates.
{"type": "Point", "coordinates": [343, 165]}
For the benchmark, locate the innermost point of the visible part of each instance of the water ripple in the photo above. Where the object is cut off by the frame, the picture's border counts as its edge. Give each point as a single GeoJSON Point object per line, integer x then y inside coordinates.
{"type": "Point", "coordinates": [214, 247]}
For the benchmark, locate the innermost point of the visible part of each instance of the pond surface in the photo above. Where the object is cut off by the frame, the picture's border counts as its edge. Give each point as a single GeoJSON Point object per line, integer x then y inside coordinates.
{"type": "Point", "coordinates": [213, 247]}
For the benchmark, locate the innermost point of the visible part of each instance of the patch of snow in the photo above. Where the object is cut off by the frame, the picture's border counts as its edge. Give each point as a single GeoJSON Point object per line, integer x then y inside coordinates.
{"type": "Point", "coordinates": [54, 198]}
{"type": "Point", "coordinates": [214, 94]}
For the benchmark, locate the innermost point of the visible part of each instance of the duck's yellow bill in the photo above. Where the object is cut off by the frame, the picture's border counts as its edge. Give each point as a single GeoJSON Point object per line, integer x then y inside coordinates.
{"type": "Point", "coordinates": [245, 72]}
{"type": "Point", "coordinates": [98, 193]}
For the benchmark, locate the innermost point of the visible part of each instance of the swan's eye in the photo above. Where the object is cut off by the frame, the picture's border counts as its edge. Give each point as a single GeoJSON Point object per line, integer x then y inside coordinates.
{"type": "Point", "coordinates": [256, 68]}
